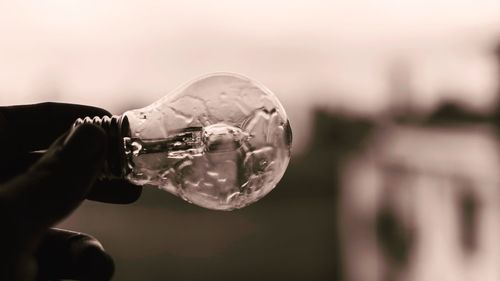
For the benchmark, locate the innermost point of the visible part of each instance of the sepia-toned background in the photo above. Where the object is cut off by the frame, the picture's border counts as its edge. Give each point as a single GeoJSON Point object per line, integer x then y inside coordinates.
{"type": "Point", "coordinates": [394, 107]}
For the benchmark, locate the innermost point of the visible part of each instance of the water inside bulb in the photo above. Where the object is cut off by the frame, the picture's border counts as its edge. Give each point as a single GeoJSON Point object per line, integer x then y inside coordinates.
{"type": "Point", "coordinates": [218, 166]}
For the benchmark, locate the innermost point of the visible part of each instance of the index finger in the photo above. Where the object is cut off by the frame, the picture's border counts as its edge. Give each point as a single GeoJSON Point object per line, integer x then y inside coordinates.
{"type": "Point", "coordinates": [34, 127]}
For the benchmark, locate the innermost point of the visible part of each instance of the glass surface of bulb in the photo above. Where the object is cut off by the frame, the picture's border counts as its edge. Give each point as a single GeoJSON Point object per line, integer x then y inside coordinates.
{"type": "Point", "coordinates": [221, 142]}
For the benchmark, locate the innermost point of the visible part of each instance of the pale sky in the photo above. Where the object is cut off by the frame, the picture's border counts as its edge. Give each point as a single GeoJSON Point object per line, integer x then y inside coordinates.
{"type": "Point", "coordinates": [309, 52]}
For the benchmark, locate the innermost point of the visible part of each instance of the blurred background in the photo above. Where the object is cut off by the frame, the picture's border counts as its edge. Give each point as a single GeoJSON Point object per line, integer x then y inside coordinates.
{"type": "Point", "coordinates": [394, 106]}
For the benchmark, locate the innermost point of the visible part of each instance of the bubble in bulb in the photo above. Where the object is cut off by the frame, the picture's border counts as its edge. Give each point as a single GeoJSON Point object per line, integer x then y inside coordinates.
{"type": "Point", "coordinates": [221, 142]}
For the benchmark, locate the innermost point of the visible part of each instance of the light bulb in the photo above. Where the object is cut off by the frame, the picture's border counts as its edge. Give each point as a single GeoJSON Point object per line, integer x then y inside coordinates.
{"type": "Point", "coordinates": [221, 142]}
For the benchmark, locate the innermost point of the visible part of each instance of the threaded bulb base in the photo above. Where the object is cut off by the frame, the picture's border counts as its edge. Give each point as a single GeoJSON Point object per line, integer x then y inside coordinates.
{"type": "Point", "coordinates": [116, 128]}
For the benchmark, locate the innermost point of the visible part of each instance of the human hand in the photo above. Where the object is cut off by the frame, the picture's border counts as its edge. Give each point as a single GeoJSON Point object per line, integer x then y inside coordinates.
{"type": "Point", "coordinates": [34, 197]}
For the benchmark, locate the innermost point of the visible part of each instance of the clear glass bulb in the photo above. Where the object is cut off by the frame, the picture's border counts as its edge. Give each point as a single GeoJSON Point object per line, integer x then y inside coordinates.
{"type": "Point", "coordinates": [221, 142]}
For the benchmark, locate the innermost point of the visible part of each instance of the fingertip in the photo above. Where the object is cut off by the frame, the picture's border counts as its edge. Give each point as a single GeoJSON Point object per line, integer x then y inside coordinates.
{"type": "Point", "coordinates": [93, 262]}
{"type": "Point", "coordinates": [68, 109]}
{"type": "Point", "coordinates": [114, 191]}
{"type": "Point", "coordinates": [46, 121]}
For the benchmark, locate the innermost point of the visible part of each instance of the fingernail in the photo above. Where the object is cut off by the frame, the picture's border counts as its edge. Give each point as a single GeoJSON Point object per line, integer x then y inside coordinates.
{"type": "Point", "coordinates": [69, 135]}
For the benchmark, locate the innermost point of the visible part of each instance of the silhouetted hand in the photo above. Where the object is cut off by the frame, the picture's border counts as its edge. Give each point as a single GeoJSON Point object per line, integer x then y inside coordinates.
{"type": "Point", "coordinates": [37, 193]}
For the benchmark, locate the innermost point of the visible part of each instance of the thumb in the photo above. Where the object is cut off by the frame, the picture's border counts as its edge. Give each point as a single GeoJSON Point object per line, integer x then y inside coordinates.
{"type": "Point", "coordinates": [59, 181]}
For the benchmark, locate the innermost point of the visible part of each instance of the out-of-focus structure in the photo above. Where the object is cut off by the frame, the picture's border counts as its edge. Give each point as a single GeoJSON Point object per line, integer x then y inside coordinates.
{"type": "Point", "coordinates": [423, 204]}
{"type": "Point", "coordinates": [422, 200]}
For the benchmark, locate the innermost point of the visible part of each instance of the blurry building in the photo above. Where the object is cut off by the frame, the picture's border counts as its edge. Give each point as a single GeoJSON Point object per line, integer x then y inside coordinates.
{"type": "Point", "coordinates": [421, 200]}
{"type": "Point", "coordinates": [422, 203]}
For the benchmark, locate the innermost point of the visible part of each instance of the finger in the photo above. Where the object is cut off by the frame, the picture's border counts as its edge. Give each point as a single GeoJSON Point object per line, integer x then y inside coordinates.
{"type": "Point", "coordinates": [36, 126]}
{"type": "Point", "coordinates": [114, 191]}
{"type": "Point", "coordinates": [107, 191]}
{"type": "Point", "coordinates": [56, 184]}
{"type": "Point", "coordinates": [64, 254]}
{"type": "Point", "coordinates": [15, 164]}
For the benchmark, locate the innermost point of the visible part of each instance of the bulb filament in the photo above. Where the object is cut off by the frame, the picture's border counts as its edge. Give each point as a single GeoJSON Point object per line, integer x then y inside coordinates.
{"type": "Point", "coordinates": [189, 142]}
